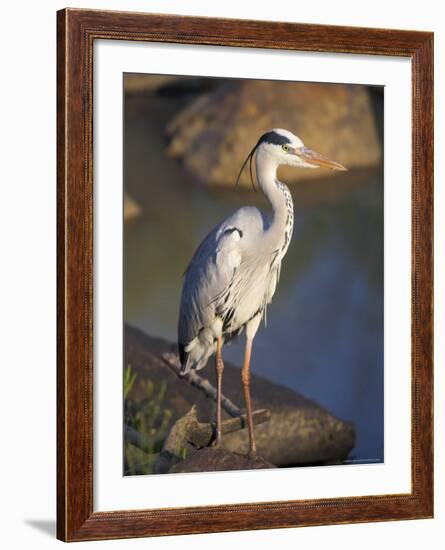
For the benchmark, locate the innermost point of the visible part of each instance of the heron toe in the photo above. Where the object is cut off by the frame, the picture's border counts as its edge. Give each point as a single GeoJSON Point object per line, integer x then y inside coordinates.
{"type": "Point", "coordinates": [217, 443]}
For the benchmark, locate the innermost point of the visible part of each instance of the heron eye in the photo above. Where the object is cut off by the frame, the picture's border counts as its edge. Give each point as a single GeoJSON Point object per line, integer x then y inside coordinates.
{"type": "Point", "coordinates": [285, 148]}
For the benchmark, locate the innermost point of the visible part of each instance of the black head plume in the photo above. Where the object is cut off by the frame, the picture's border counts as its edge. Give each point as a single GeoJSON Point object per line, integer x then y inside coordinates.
{"type": "Point", "coordinates": [249, 159]}
{"type": "Point", "coordinates": [272, 137]}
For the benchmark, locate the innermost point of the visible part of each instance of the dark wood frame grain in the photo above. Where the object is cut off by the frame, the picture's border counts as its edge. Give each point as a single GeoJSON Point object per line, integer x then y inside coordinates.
{"type": "Point", "coordinates": [76, 32]}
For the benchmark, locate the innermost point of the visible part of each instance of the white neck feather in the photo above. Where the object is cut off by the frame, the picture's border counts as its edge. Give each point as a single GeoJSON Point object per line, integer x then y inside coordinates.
{"type": "Point", "coordinates": [275, 191]}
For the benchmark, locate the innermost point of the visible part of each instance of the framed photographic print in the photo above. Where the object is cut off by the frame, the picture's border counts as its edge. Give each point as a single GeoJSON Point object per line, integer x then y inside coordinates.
{"type": "Point", "coordinates": [244, 275]}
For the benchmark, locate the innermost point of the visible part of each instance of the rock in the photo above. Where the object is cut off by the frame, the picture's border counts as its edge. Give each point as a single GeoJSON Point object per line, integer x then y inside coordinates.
{"type": "Point", "coordinates": [299, 431]}
{"type": "Point", "coordinates": [131, 208]}
{"type": "Point", "coordinates": [217, 459]}
{"type": "Point", "coordinates": [298, 435]}
{"type": "Point", "coordinates": [188, 435]}
{"type": "Point", "coordinates": [213, 134]}
{"type": "Point", "coordinates": [137, 83]}
{"type": "Point", "coordinates": [167, 85]}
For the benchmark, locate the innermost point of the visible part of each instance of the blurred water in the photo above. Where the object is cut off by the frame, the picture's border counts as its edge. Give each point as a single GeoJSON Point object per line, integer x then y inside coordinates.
{"type": "Point", "coordinates": [325, 327]}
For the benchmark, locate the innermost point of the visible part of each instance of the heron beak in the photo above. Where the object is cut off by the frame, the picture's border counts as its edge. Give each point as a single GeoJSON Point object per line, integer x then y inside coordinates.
{"type": "Point", "coordinates": [314, 158]}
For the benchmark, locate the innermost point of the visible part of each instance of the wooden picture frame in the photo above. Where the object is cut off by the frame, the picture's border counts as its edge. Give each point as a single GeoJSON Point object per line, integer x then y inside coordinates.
{"type": "Point", "coordinates": [76, 32]}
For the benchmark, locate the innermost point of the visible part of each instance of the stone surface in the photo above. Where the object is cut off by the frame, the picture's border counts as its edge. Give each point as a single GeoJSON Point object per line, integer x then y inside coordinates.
{"type": "Point", "coordinates": [213, 133]}
{"type": "Point", "coordinates": [216, 459]}
{"type": "Point", "coordinates": [137, 83]}
{"type": "Point", "coordinates": [299, 431]}
{"type": "Point", "coordinates": [131, 208]}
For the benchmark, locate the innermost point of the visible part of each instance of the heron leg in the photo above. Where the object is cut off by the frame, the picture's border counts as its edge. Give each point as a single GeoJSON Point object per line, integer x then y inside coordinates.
{"type": "Point", "coordinates": [219, 364]}
{"type": "Point", "coordinates": [245, 375]}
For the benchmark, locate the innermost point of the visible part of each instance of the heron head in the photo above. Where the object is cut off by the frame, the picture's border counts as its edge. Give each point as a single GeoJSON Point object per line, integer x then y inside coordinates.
{"type": "Point", "coordinates": [286, 148]}
{"type": "Point", "coordinates": [283, 147]}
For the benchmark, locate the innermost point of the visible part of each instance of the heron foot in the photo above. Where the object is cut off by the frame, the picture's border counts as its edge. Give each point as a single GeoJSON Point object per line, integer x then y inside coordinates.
{"type": "Point", "coordinates": [217, 443]}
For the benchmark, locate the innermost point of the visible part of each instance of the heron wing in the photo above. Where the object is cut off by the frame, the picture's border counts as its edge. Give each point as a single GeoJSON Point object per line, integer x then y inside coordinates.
{"type": "Point", "coordinates": [212, 270]}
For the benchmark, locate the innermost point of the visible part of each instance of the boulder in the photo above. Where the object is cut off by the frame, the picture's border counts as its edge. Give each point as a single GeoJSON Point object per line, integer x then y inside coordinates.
{"type": "Point", "coordinates": [298, 432]}
{"type": "Point", "coordinates": [136, 83]}
{"type": "Point", "coordinates": [213, 134]}
{"type": "Point", "coordinates": [131, 208]}
{"type": "Point", "coordinates": [214, 459]}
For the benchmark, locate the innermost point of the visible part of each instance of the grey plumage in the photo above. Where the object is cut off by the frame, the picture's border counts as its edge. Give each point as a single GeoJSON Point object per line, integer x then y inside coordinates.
{"type": "Point", "coordinates": [226, 284]}
{"type": "Point", "coordinates": [234, 273]}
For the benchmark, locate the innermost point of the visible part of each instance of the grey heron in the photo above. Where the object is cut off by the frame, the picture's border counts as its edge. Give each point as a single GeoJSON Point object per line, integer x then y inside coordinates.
{"type": "Point", "coordinates": [234, 272]}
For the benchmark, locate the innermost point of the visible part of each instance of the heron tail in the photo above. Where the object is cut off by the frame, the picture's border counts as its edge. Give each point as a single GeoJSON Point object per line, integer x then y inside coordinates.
{"type": "Point", "coordinates": [184, 359]}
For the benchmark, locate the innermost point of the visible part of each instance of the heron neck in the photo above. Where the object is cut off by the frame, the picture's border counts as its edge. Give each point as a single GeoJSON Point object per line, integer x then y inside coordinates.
{"type": "Point", "coordinates": [266, 169]}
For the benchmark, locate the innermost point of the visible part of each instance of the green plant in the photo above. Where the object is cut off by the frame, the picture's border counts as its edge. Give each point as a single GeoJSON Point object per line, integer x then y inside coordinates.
{"type": "Point", "coordinates": [129, 380]}
{"type": "Point", "coordinates": [148, 416]}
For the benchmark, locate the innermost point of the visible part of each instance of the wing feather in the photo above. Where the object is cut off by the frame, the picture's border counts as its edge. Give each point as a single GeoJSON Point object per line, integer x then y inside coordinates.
{"type": "Point", "coordinates": [212, 269]}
